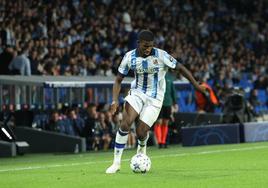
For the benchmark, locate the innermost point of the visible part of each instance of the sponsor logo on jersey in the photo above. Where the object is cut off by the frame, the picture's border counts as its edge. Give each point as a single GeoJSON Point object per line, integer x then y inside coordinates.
{"type": "Point", "coordinates": [149, 70]}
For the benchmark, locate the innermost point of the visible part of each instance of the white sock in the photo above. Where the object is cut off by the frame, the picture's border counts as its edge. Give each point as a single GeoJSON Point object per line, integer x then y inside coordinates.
{"type": "Point", "coordinates": [120, 142]}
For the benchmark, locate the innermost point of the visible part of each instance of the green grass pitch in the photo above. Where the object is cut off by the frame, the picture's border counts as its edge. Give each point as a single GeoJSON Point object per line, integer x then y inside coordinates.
{"type": "Point", "coordinates": [238, 165]}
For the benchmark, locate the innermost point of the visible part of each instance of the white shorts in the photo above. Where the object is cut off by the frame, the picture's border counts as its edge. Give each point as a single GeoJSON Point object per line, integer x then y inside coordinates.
{"type": "Point", "coordinates": [147, 107]}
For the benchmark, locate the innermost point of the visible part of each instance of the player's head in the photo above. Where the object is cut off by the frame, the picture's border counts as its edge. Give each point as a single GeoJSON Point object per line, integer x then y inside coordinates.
{"type": "Point", "coordinates": [145, 42]}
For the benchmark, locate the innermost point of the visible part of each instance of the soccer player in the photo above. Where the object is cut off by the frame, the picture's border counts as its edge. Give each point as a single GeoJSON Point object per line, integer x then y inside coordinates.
{"type": "Point", "coordinates": [145, 100]}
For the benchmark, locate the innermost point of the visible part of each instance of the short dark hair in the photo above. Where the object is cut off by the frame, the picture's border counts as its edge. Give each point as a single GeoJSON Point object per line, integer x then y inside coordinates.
{"type": "Point", "coordinates": [146, 35]}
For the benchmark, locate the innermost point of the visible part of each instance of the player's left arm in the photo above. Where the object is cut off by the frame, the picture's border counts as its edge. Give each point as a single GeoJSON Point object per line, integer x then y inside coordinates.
{"type": "Point", "coordinates": [187, 74]}
{"type": "Point", "coordinates": [173, 63]}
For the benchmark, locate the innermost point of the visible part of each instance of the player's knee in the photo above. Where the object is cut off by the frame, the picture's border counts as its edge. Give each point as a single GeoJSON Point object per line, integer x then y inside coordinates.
{"type": "Point", "coordinates": [140, 137]}
{"type": "Point", "coordinates": [125, 125]}
{"type": "Point", "coordinates": [141, 133]}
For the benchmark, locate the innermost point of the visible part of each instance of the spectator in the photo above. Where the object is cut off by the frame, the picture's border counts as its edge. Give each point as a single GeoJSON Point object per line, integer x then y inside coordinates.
{"type": "Point", "coordinates": [90, 121]}
{"type": "Point", "coordinates": [212, 38]}
{"type": "Point", "coordinates": [105, 131]}
{"type": "Point", "coordinates": [34, 61]}
{"type": "Point", "coordinates": [97, 136]}
{"type": "Point", "coordinates": [5, 59]}
{"type": "Point", "coordinates": [55, 123]}
{"type": "Point", "coordinates": [115, 122]}
{"type": "Point", "coordinates": [68, 127]}
{"type": "Point", "coordinates": [206, 34]}
{"type": "Point", "coordinates": [77, 122]}
{"type": "Point", "coordinates": [253, 98]}
{"type": "Point", "coordinates": [21, 65]}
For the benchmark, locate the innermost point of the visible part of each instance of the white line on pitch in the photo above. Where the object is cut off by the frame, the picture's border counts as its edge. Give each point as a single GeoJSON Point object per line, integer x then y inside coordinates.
{"type": "Point", "coordinates": [109, 161]}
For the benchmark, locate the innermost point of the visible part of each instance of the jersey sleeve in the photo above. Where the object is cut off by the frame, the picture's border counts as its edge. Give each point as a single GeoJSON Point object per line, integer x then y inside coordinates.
{"type": "Point", "coordinates": [169, 60]}
{"type": "Point", "coordinates": [124, 65]}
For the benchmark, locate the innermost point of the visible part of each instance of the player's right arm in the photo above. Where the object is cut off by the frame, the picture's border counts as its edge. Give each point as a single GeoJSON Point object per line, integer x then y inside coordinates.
{"type": "Point", "coordinates": [122, 72]}
{"type": "Point", "coordinates": [116, 90]}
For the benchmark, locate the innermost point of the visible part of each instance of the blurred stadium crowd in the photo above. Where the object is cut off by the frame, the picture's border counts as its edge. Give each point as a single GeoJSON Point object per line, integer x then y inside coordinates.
{"type": "Point", "coordinates": [224, 42]}
{"type": "Point", "coordinates": [220, 40]}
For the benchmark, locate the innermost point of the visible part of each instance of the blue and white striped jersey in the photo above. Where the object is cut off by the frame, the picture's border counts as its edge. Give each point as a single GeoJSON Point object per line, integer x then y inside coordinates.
{"type": "Point", "coordinates": [149, 72]}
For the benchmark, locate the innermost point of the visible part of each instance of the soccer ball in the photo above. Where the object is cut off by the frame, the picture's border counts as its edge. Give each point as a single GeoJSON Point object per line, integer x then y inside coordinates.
{"type": "Point", "coordinates": [140, 163]}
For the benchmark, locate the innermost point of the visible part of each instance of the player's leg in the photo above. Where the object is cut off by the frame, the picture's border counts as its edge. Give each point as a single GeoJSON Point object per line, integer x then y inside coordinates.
{"type": "Point", "coordinates": [142, 132]}
{"type": "Point", "coordinates": [164, 126]}
{"type": "Point", "coordinates": [129, 115]}
{"type": "Point", "coordinates": [164, 131]}
{"type": "Point", "coordinates": [148, 116]}
{"type": "Point", "coordinates": [157, 129]}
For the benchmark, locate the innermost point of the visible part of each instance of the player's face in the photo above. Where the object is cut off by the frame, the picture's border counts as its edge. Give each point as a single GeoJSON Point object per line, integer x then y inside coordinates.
{"type": "Point", "coordinates": [145, 47]}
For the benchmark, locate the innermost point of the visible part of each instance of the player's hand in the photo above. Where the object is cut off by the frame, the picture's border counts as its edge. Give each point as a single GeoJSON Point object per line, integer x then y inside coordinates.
{"type": "Point", "coordinates": [114, 107]}
{"type": "Point", "coordinates": [205, 92]}
{"type": "Point", "coordinates": [203, 89]}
